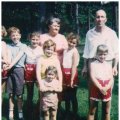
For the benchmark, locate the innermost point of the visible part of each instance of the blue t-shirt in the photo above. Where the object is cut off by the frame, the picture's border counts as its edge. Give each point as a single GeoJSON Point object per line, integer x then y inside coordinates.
{"type": "Point", "coordinates": [15, 49]}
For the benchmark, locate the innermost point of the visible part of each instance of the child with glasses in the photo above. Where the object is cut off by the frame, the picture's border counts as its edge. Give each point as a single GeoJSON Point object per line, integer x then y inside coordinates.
{"type": "Point", "coordinates": [70, 74]}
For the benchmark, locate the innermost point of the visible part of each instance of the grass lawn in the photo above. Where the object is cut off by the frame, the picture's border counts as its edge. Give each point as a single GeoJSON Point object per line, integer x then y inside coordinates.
{"type": "Point", "coordinates": [82, 96]}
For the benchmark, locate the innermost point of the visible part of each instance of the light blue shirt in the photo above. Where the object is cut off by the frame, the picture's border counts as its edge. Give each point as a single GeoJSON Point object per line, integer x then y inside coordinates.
{"type": "Point", "coordinates": [15, 49]}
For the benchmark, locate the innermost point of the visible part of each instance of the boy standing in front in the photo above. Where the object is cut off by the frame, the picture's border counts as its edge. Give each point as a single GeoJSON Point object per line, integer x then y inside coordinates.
{"type": "Point", "coordinates": [15, 82]}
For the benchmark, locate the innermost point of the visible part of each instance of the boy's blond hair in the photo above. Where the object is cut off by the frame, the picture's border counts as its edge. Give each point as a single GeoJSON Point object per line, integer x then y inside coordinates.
{"type": "Point", "coordinates": [102, 49]}
{"type": "Point", "coordinates": [37, 34]}
{"type": "Point", "coordinates": [72, 36]}
{"type": "Point", "coordinates": [4, 32]}
{"type": "Point", "coordinates": [49, 43]}
{"type": "Point", "coordinates": [12, 30]}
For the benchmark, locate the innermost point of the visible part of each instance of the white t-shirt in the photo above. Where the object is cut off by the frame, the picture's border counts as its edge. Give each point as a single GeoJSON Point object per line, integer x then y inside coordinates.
{"type": "Point", "coordinates": [32, 55]}
{"type": "Point", "coordinates": [67, 58]}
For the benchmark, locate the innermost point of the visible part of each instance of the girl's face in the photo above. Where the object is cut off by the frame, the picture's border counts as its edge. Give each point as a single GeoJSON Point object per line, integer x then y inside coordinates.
{"type": "Point", "coordinates": [50, 75]}
{"type": "Point", "coordinates": [34, 41]}
{"type": "Point", "coordinates": [15, 37]}
{"type": "Point", "coordinates": [72, 43]}
{"type": "Point", "coordinates": [101, 56]}
{"type": "Point", "coordinates": [49, 51]}
{"type": "Point", "coordinates": [54, 28]}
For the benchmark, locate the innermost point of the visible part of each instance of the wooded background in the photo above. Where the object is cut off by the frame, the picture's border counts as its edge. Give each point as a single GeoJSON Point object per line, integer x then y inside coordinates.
{"type": "Point", "coordinates": [75, 16]}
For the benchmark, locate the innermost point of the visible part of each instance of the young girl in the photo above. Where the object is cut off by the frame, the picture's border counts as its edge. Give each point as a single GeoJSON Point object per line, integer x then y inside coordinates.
{"type": "Point", "coordinates": [102, 81]}
{"type": "Point", "coordinates": [48, 59]}
{"type": "Point", "coordinates": [70, 75]}
{"type": "Point", "coordinates": [33, 52]}
{"type": "Point", "coordinates": [49, 88]}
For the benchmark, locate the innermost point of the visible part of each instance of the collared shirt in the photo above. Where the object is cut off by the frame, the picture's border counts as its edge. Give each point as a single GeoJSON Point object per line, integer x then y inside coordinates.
{"type": "Point", "coordinates": [94, 38]}
{"type": "Point", "coordinates": [15, 49]}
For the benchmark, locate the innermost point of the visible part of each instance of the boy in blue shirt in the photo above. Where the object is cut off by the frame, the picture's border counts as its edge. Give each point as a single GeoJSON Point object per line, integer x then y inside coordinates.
{"type": "Point", "coordinates": [15, 82]}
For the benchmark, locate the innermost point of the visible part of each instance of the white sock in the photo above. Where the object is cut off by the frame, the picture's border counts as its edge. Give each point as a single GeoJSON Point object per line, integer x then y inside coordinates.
{"type": "Point", "coordinates": [20, 114]}
{"type": "Point", "coordinates": [11, 113]}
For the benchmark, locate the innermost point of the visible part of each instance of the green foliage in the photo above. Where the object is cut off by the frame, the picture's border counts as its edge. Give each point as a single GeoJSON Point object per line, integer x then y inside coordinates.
{"type": "Point", "coordinates": [31, 16]}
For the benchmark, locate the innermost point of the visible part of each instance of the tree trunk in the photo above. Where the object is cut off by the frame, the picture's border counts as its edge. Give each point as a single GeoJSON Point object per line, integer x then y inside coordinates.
{"type": "Point", "coordinates": [77, 20]}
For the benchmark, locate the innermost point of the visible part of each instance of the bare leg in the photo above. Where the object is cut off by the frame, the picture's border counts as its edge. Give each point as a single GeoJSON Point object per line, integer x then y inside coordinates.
{"type": "Point", "coordinates": [92, 110]}
{"type": "Point", "coordinates": [3, 87]}
{"type": "Point", "coordinates": [46, 115]}
{"type": "Point", "coordinates": [20, 104]}
{"type": "Point", "coordinates": [11, 106]}
{"type": "Point", "coordinates": [106, 106]}
{"type": "Point", "coordinates": [53, 115]}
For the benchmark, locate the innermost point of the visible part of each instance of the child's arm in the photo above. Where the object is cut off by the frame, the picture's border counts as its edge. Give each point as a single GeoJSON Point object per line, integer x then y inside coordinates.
{"type": "Point", "coordinates": [17, 58]}
{"type": "Point", "coordinates": [75, 59]}
{"type": "Point", "coordinates": [58, 87]}
{"type": "Point", "coordinates": [38, 71]}
{"type": "Point", "coordinates": [111, 78]}
{"type": "Point", "coordinates": [59, 71]}
{"type": "Point", "coordinates": [92, 76]}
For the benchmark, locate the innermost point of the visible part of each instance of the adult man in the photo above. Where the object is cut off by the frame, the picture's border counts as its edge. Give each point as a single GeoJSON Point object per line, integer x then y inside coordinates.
{"type": "Point", "coordinates": [101, 34]}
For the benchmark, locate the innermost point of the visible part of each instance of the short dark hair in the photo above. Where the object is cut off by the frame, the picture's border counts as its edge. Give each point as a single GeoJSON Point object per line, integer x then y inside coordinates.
{"type": "Point", "coordinates": [72, 36]}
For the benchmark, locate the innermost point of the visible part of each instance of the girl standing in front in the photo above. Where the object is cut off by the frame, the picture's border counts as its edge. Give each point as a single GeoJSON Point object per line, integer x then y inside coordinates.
{"type": "Point", "coordinates": [102, 82]}
{"type": "Point", "coordinates": [49, 88]}
{"type": "Point", "coordinates": [33, 52]}
{"type": "Point", "coordinates": [70, 74]}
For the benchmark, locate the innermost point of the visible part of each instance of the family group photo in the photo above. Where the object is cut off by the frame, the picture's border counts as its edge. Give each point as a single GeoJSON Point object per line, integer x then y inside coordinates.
{"type": "Point", "coordinates": [59, 60]}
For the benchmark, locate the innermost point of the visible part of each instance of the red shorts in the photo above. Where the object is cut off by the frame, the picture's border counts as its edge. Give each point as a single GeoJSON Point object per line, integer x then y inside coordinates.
{"type": "Point", "coordinates": [4, 74]}
{"type": "Point", "coordinates": [30, 72]}
{"type": "Point", "coordinates": [95, 93]}
{"type": "Point", "coordinates": [67, 77]}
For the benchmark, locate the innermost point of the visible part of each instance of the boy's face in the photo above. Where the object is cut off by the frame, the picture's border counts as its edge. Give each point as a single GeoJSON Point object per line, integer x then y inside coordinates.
{"type": "Point", "coordinates": [101, 56]}
{"type": "Point", "coordinates": [72, 43]}
{"type": "Point", "coordinates": [15, 37]}
{"type": "Point", "coordinates": [34, 41]}
{"type": "Point", "coordinates": [50, 75]}
{"type": "Point", "coordinates": [49, 51]}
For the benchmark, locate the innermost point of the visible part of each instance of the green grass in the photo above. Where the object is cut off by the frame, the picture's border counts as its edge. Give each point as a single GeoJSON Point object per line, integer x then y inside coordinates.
{"type": "Point", "coordinates": [82, 96]}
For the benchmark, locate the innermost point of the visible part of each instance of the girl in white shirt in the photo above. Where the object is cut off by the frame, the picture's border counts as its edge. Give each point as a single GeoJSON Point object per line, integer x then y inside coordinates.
{"type": "Point", "coordinates": [70, 74]}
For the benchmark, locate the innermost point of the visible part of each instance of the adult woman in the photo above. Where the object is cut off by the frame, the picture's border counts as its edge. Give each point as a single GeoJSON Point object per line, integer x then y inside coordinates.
{"type": "Point", "coordinates": [53, 34]}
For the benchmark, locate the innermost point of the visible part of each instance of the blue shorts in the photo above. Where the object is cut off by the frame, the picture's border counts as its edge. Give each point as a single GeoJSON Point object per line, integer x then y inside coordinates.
{"type": "Point", "coordinates": [15, 82]}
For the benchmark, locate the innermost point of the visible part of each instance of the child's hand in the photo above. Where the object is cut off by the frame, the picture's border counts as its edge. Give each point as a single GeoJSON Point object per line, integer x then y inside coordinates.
{"type": "Point", "coordinates": [71, 84]}
{"type": "Point", "coordinates": [103, 91]}
{"type": "Point", "coordinates": [6, 67]}
{"type": "Point", "coordinates": [84, 71]}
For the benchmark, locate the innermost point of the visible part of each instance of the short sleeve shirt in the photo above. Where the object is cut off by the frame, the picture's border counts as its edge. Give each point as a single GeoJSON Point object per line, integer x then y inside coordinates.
{"type": "Point", "coordinates": [107, 37]}
{"type": "Point", "coordinates": [15, 49]}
